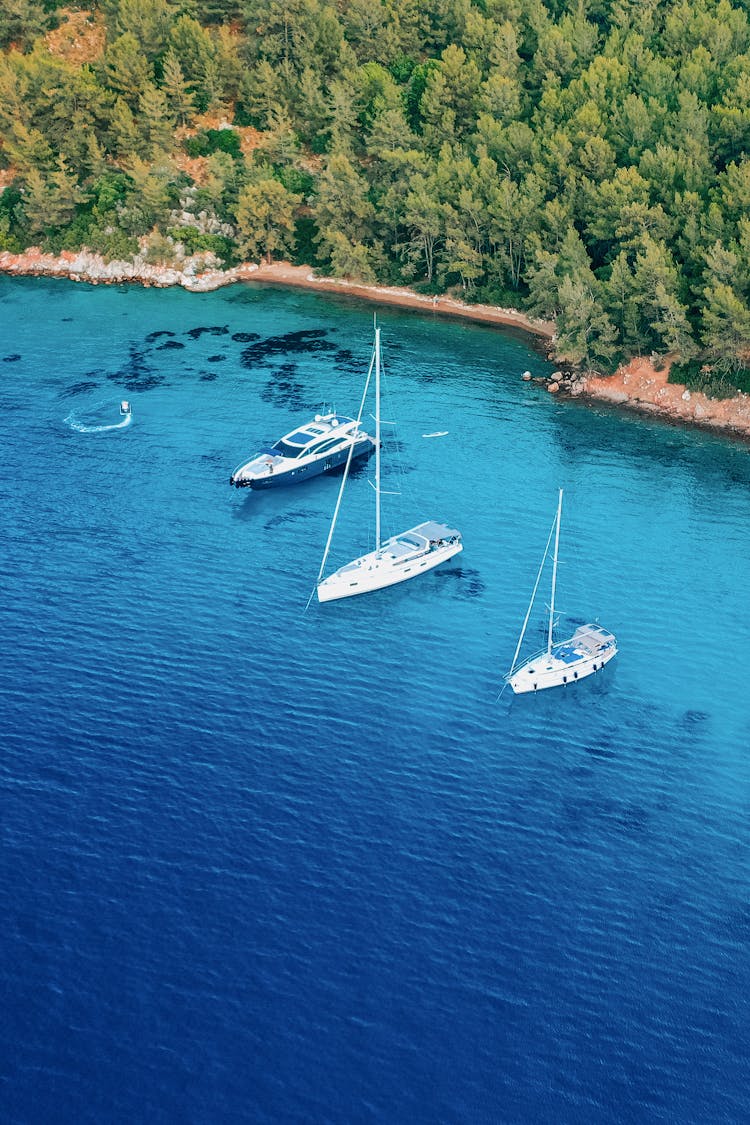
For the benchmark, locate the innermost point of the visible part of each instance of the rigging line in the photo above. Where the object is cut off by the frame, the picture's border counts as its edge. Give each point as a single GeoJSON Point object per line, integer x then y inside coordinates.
{"type": "Point", "coordinates": [403, 484]}
{"type": "Point", "coordinates": [533, 595]}
{"type": "Point", "coordinates": [346, 474]}
{"type": "Point", "coordinates": [312, 595]}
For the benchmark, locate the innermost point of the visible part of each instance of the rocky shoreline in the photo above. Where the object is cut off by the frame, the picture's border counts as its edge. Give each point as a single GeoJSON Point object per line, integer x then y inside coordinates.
{"type": "Point", "coordinates": [642, 387]}
{"type": "Point", "coordinates": [638, 385]}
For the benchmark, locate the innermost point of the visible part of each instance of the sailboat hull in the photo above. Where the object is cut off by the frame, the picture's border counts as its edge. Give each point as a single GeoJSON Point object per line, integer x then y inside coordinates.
{"type": "Point", "coordinates": [400, 558]}
{"type": "Point", "coordinates": [587, 651]}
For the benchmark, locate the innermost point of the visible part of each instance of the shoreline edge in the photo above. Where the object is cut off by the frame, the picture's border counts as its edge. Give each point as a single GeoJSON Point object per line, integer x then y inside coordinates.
{"type": "Point", "coordinates": [638, 385]}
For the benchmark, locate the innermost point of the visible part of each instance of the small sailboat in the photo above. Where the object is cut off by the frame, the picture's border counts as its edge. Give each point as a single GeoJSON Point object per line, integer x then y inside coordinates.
{"type": "Point", "coordinates": [394, 560]}
{"type": "Point", "coordinates": [562, 662]}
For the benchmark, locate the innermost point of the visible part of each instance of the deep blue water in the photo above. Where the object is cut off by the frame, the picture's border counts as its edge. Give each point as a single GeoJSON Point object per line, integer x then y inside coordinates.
{"type": "Point", "coordinates": [271, 865]}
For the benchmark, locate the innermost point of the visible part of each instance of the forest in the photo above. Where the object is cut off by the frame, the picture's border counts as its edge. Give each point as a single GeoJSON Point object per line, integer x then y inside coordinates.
{"type": "Point", "coordinates": [584, 160]}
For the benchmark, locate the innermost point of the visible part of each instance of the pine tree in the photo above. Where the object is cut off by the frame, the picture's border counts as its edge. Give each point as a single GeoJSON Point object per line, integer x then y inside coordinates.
{"type": "Point", "coordinates": [265, 219]}
{"type": "Point", "coordinates": [180, 101]}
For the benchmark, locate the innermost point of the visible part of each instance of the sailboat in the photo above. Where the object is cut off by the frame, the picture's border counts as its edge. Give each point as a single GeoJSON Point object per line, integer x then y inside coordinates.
{"type": "Point", "coordinates": [394, 560]}
{"type": "Point", "coordinates": [562, 662]}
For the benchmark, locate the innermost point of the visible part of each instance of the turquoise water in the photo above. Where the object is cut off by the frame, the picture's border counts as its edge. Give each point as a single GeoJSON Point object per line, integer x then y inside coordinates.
{"type": "Point", "coordinates": [263, 863]}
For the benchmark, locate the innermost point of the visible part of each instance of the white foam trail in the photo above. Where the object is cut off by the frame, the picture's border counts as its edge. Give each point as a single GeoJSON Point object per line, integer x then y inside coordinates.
{"type": "Point", "coordinates": [82, 428]}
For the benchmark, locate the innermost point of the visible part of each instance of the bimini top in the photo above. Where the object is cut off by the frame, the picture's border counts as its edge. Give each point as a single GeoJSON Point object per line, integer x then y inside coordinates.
{"type": "Point", "coordinates": [433, 530]}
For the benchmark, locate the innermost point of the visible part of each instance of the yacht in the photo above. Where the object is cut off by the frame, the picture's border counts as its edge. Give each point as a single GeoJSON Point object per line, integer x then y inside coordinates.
{"type": "Point", "coordinates": [320, 446]}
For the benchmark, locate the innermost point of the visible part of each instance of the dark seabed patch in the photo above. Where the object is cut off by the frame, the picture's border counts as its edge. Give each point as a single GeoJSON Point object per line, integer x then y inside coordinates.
{"type": "Point", "coordinates": [155, 335]}
{"type": "Point", "coordinates": [211, 330]}
{"type": "Point", "coordinates": [245, 337]}
{"type": "Point", "coordinates": [216, 359]}
{"type": "Point", "coordinates": [580, 817]}
{"type": "Point", "coordinates": [169, 344]}
{"type": "Point", "coordinates": [137, 374]}
{"type": "Point", "coordinates": [67, 320]}
{"type": "Point", "coordinates": [284, 390]}
{"type": "Point", "coordinates": [79, 388]}
{"type": "Point", "coordinates": [208, 376]}
{"type": "Point", "coordinates": [468, 582]}
{"type": "Point", "coordinates": [738, 923]}
{"type": "Point", "coordinates": [694, 718]}
{"type": "Point", "coordinates": [11, 358]}
{"type": "Point", "coordinates": [300, 343]}
{"type": "Point", "coordinates": [344, 360]}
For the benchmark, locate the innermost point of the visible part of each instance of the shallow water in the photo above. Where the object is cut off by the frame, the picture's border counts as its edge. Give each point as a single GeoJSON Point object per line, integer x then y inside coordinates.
{"type": "Point", "coordinates": [267, 864]}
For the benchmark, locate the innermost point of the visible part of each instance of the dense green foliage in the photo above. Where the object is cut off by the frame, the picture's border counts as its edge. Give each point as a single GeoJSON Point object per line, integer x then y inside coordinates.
{"type": "Point", "coordinates": [588, 160]}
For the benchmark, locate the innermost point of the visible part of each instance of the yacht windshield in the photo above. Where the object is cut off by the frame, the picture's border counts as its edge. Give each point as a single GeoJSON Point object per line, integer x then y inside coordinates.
{"type": "Point", "coordinates": [288, 450]}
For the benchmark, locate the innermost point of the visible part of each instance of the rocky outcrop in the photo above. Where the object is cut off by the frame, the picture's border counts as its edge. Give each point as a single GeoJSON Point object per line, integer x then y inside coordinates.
{"type": "Point", "coordinates": [196, 273]}
{"type": "Point", "coordinates": [640, 386]}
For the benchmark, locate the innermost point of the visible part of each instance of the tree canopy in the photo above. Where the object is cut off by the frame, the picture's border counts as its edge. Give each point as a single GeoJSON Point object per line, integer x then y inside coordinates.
{"type": "Point", "coordinates": [588, 160]}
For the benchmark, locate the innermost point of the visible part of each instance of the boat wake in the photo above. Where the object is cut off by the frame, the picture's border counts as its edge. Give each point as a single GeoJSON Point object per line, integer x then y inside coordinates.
{"type": "Point", "coordinates": [76, 423]}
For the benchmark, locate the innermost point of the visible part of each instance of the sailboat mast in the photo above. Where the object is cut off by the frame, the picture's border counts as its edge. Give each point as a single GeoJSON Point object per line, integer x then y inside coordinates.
{"type": "Point", "coordinates": [554, 575]}
{"type": "Point", "coordinates": [377, 439]}
{"type": "Point", "coordinates": [346, 473]}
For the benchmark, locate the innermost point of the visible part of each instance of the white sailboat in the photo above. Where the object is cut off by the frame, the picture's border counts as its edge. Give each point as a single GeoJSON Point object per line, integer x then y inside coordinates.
{"type": "Point", "coordinates": [394, 560]}
{"type": "Point", "coordinates": [562, 662]}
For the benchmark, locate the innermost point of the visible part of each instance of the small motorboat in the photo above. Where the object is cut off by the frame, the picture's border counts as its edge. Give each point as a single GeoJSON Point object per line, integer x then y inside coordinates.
{"type": "Point", "coordinates": [125, 407]}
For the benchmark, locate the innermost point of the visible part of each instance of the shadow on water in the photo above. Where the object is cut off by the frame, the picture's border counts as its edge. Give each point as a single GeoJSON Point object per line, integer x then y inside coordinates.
{"type": "Point", "coordinates": [295, 516]}
{"type": "Point", "coordinates": [464, 582]}
{"type": "Point", "coordinates": [272, 505]}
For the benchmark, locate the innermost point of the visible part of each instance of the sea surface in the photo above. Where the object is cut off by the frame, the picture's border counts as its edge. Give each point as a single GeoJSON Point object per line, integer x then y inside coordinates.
{"type": "Point", "coordinates": [267, 862]}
